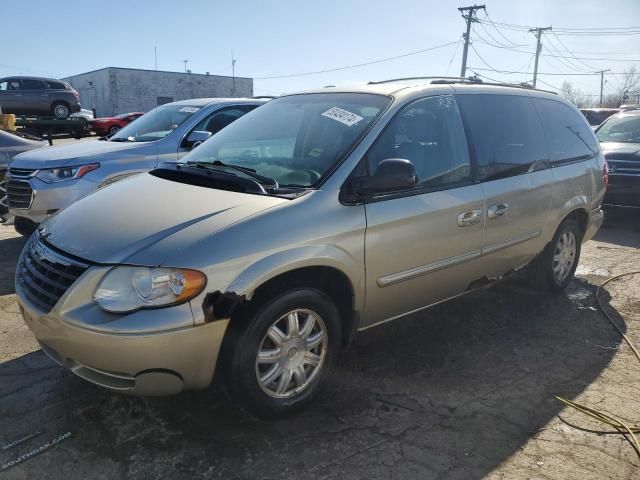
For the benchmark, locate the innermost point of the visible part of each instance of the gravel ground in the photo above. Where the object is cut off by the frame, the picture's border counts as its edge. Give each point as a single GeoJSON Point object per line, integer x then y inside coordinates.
{"type": "Point", "coordinates": [464, 390]}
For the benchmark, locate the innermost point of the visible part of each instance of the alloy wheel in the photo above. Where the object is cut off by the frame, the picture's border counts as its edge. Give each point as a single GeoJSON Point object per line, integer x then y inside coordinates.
{"type": "Point", "coordinates": [564, 256]}
{"type": "Point", "coordinates": [291, 354]}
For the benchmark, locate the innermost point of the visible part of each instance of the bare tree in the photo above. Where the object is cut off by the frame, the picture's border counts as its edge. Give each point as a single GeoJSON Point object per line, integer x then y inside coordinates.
{"type": "Point", "coordinates": [626, 91]}
{"type": "Point", "coordinates": [575, 95]}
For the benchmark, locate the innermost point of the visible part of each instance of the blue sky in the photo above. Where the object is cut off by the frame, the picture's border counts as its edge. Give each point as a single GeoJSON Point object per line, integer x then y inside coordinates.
{"type": "Point", "coordinates": [282, 37]}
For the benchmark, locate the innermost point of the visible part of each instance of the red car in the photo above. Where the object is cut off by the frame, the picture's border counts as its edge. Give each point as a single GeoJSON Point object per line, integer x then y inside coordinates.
{"type": "Point", "coordinates": [109, 125]}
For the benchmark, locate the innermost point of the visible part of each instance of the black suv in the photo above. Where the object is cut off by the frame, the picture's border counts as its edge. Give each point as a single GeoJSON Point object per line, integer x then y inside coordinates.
{"type": "Point", "coordinates": [38, 96]}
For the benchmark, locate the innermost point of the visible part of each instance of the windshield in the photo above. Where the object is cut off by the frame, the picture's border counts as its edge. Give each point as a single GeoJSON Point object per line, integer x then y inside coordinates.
{"type": "Point", "coordinates": [295, 140]}
{"type": "Point", "coordinates": [156, 124]}
{"type": "Point", "coordinates": [625, 129]}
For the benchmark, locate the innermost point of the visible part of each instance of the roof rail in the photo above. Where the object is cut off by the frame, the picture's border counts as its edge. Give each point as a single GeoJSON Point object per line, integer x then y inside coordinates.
{"type": "Point", "coordinates": [264, 96]}
{"type": "Point", "coordinates": [474, 80]}
{"type": "Point", "coordinates": [439, 77]}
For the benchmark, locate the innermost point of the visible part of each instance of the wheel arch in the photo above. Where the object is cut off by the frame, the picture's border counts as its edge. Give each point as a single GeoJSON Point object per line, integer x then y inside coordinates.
{"type": "Point", "coordinates": [326, 268]}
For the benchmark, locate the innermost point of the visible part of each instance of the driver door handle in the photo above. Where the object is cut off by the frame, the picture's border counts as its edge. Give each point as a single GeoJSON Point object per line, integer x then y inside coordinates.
{"type": "Point", "coordinates": [469, 218]}
{"type": "Point", "coordinates": [497, 210]}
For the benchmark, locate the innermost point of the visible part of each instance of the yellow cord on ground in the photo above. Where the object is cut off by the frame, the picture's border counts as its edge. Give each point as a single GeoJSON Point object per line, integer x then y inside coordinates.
{"type": "Point", "coordinates": [621, 427]}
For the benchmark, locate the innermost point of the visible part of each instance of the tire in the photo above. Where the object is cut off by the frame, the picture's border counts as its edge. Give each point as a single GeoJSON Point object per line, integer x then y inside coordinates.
{"type": "Point", "coordinates": [553, 269]}
{"type": "Point", "coordinates": [24, 226]}
{"type": "Point", "coordinates": [241, 369]}
{"type": "Point", "coordinates": [60, 110]}
{"type": "Point", "coordinates": [113, 129]}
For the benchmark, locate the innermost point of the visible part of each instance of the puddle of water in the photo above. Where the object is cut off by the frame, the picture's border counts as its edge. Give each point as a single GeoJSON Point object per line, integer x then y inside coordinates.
{"type": "Point", "coordinates": [576, 294]}
{"type": "Point", "coordinates": [584, 270]}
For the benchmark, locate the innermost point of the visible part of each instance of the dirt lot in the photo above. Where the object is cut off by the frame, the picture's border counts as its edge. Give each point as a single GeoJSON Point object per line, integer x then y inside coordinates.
{"type": "Point", "coordinates": [464, 390]}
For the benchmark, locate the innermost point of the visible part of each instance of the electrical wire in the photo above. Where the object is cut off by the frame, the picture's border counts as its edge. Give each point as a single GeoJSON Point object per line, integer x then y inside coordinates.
{"type": "Point", "coordinates": [347, 67]}
{"type": "Point", "coordinates": [621, 428]}
{"type": "Point", "coordinates": [497, 30]}
{"type": "Point", "coordinates": [453, 56]}
{"type": "Point", "coordinates": [571, 54]}
{"type": "Point", "coordinates": [549, 73]}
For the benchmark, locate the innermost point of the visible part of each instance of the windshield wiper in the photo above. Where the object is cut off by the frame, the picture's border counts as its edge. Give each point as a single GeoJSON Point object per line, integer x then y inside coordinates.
{"type": "Point", "coordinates": [269, 182]}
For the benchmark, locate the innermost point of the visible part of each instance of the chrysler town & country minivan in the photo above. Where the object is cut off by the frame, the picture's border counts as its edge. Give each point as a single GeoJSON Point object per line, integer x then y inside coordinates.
{"type": "Point", "coordinates": [259, 255]}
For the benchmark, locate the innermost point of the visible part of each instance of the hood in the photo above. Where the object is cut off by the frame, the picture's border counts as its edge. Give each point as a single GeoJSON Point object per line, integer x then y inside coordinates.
{"type": "Point", "coordinates": [79, 153]}
{"type": "Point", "coordinates": [113, 224]}
{"type": "Point", "coordinates": [620, 150]}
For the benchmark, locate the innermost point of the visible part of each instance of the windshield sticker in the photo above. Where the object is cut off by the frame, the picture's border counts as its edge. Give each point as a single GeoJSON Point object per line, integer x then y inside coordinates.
{"type": "Point", "coordinates": [188, 109]}
{"type": "Point", "coordinates": [342, 116]}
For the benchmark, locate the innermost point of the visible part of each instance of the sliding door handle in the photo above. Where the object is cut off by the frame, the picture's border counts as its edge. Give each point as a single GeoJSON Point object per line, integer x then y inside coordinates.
{"type": "Point", "coordinates": [497, 210]}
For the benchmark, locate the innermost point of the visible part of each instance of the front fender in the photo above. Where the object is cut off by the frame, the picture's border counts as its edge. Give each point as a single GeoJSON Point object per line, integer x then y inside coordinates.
{"type": "Point", "coordinates": [256, 274]}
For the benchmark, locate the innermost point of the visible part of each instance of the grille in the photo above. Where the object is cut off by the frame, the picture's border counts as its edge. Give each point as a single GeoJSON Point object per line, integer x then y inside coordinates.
{"type": "Point", "coordinates": [19, 194]}
{"type": "Point", "coordinates": [45, 275]}
{"type": "Point", "coordinates": [629, 168]}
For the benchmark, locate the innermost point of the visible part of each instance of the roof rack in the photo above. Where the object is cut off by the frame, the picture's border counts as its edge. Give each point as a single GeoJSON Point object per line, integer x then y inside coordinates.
{"type": "Point", "coordinates": [473, 80]}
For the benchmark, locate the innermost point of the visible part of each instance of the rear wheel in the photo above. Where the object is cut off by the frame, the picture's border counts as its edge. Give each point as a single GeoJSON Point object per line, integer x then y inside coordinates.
{"type": "Point", "coordinates": [60, 110]}
{"type": "Point", "coordinates": [24, 226]}
{"type": "Point", "coordinates": [553, 270]}
{"type": "Point", "coordinates": [113, 129]}
{"type": "Point", "coordinates": [280, 359]}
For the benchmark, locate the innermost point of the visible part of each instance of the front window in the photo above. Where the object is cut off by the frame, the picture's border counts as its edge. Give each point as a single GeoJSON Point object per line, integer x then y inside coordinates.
{"type": "Point", "coordinates": [156, 124]}
{"type": "Point", "coordinates": [625, 129]}
{"type": "Point", "coordinates": [295, 140]}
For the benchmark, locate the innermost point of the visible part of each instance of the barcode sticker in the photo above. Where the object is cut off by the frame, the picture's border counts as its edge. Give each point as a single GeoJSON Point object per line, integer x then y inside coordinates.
{"type": "Point", "coordinates": [343, 116]}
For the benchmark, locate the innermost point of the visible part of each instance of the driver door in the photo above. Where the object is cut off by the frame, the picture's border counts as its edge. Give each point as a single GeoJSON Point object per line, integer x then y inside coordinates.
{"type": "Point", "coordinates": [423, 245]}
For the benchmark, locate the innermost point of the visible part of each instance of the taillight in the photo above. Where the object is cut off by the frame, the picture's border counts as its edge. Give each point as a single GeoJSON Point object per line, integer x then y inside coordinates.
{"type": "Point", "coordinates": [605, 174]}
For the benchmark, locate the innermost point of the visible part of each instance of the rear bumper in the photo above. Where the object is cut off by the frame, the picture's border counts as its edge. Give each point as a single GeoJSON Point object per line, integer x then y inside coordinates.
{"type": "Point", "coordinates": [596, 218]}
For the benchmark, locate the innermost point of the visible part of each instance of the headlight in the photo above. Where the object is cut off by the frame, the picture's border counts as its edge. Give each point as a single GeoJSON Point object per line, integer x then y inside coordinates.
{"type": "Point", "coordinates": [125, 289]}
{"type": "Point", "coordinates": [51, 175]}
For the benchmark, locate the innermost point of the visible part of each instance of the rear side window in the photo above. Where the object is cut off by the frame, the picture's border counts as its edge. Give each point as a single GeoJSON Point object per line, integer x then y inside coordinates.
{"type": "Point", "coordinates": [429, 133]}
{"type": "Point", "coordinates": [505, 134]}
{"type": "Point", "coordinates": [56, 85]}
{"type": "Point", "coordinates": [568, 135]}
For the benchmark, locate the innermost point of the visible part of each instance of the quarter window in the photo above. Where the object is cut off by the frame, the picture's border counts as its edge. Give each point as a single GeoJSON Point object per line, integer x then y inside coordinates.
{"type": "Point", "coordinates": [429, 133]}
{"type": "Point", "coordinates": [568, 135]}
{"type": "Point", "coordinates": [505, 132]}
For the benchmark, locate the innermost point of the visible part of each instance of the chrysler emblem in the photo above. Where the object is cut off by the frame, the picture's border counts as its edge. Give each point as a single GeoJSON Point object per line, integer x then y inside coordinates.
{"type": "Point", "coordinates": [42, 230]}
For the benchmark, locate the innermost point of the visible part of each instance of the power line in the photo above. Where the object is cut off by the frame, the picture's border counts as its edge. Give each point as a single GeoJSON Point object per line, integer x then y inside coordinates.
{"type": "Point", "coordinates": [454, 55]}
{"type": "Point", "coordinates": [497, 30]}
{"type": "Point", "coordinates": [547, 73]}
{"type": "Point", "coordinates": [328, 70]}
{"type": "Point", "coordinates": [587, 30]}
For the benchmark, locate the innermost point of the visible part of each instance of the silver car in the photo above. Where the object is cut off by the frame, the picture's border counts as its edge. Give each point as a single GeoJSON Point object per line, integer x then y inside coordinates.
{"type": "Point", "coordinates": [41, 183]}
{"type": "Point", "coordinates": [319, 214]}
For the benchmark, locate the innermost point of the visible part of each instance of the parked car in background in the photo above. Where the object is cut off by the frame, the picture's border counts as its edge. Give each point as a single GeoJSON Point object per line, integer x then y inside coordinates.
{"type": "Point", "coordinates": [38, 96]}
{"type": "Point", "coordinates": [110, 125]}
{"type": "Point", "coordinates": [595, 116]}
{"type": "Point", "coordinates": [11, 144]}
{"type": "Point", "coordinates": [52, 179]}
{"type": "Point", "coordinates": [630, 106]}
{"type": "Point", "coordinates": [263, 251]}
{"type": "Point", "coordinates": [619, 137]}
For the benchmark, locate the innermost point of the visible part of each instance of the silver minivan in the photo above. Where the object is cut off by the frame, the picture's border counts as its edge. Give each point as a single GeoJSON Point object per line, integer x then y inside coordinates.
{"type": "Point", "coordinates": [259, 255]}
{"type": "Point", "coordinates": [43, 182]}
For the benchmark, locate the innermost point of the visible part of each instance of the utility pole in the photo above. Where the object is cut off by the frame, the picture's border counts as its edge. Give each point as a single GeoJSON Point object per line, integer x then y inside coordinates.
{"type": "Point", "coordinates": [185, 61]}
{"type": "Point", "coordinates": [233, 73]}
{"type": "Point", "coordinates": [155, 56]}
{"type": "Point", "coordinates": [538, 34]}
{"type": "Point", "coordinates": [601, 72]}
{"type": "Point", "coordinates": [469, 17]}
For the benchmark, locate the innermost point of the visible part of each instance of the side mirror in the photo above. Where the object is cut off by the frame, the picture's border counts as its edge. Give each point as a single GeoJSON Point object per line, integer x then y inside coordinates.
{"type": "Point", "coordinates": [392, 174]}
{"type": "Point", "coordinates": [196, 137]}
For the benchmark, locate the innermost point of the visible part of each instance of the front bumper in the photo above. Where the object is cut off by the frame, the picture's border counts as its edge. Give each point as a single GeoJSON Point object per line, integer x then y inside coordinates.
{"type": "Point", "coordinates": [124, 353]}
{"type": "Point", "coordinates": [623, 191]}
{"type": "Point", "coordinates": [48, 198]}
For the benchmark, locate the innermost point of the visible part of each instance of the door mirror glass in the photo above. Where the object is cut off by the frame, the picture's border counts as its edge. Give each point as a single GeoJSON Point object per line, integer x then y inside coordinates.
{"type": "Point", "coordinates": [195, 138]}
{"type": "Point", "coordinates": [392, 174]}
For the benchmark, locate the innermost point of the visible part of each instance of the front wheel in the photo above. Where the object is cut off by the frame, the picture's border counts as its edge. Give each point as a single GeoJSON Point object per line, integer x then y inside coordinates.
{"type": "Point", "coordinates": [554, 268]}
{"type": "Point", "coordinates": [113, 129]}
{"type": "Point", "coordinates": [284, 354]}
